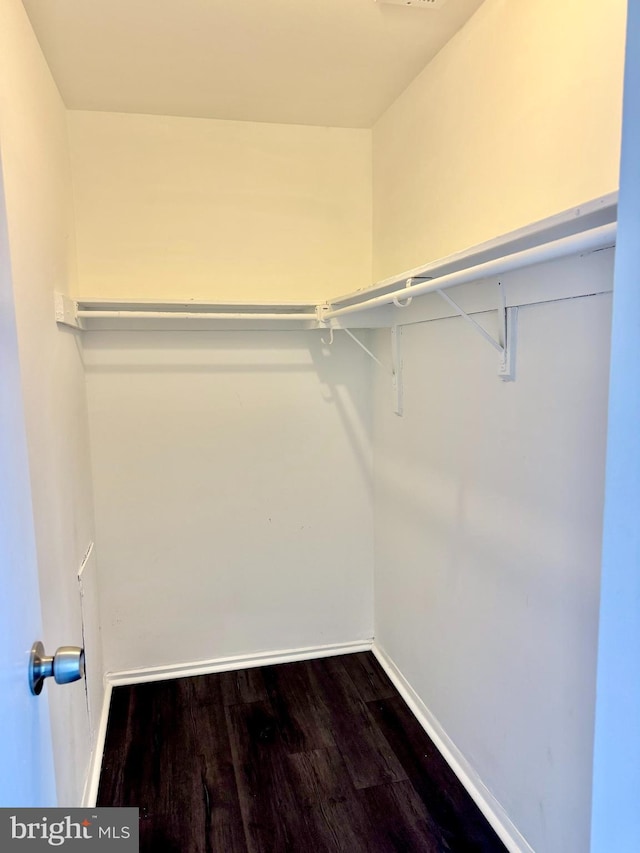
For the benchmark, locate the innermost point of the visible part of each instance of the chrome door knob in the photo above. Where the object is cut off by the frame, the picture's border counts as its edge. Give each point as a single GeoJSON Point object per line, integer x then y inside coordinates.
{"type": "Point", "coordinates": [65, 666]}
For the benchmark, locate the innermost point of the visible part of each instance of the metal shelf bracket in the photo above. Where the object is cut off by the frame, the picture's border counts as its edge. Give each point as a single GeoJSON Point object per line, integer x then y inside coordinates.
{"type": "Point", "coordinates": [396, 362]}
{"type": "Point", "coordinates": [508, 323]}
{"type": "Point", "coordinates": [396, 365]}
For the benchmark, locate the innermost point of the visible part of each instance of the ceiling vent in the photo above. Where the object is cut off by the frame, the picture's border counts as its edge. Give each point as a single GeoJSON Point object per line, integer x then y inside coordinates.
{"type": "Point", "coordinates": [417, 4]}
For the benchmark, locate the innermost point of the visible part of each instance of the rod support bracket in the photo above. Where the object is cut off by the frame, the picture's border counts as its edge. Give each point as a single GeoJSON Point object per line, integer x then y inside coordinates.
{"type": "Point", "coordinates": [506, 343]}
{"type": "Point", "coordinates": [321, 311]}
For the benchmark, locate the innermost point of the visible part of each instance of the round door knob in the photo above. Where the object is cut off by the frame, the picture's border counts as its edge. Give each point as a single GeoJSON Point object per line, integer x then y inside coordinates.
{"type": "Point", "coordinates": [65, 666]}
{"type": "Point", "coordinates": [68, 664]}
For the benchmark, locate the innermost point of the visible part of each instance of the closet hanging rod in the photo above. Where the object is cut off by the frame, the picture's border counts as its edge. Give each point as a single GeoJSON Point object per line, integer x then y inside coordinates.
{"type": "Point", "coordinates": [601, 237]}
{"type": "Point", "coordinates": [186, 315]}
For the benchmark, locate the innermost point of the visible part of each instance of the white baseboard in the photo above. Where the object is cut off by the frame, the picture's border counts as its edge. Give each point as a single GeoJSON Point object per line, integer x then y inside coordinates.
{"type": "Point", "coordinates": [90, 794]}
{"type": "Point", "coordinates": [203, 667]}
{"type": "Point", "coordinates": [481, 795]}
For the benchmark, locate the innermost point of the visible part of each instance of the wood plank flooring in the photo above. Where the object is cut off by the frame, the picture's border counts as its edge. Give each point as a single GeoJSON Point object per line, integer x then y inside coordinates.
{"type": "Point", "coordinates": [308, 757]}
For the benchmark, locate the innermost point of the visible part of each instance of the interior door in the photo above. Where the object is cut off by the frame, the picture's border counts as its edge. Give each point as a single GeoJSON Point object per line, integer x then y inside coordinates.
{"type": "Point", "coordinates": [26, 760]}
{"type": "Point", "coordinates": [616, 774]}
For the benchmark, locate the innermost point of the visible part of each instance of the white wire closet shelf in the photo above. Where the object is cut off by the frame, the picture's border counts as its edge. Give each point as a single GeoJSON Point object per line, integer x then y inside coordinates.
{"type": "Point", "coordinates": [585, 229]}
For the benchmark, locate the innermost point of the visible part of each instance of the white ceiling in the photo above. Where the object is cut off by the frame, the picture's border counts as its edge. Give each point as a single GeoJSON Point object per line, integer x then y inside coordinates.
{"type": "Point", "coordinates": [325, 62]}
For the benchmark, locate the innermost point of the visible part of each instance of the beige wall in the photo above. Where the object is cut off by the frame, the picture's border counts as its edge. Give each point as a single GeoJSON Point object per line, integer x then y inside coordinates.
{"type": "Point", "coordinates": [489, 495]}
{"type": "Point", "coordinates": [178, 207]}
{"type": "Point", "coordinates": [35, 164]}
{"type": "Point", "coordinates": [516, 119]}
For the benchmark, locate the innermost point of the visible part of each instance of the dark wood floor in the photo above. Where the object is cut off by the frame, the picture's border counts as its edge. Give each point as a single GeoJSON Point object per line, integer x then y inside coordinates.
{"type": "Point", "coordinates": [306, 757]}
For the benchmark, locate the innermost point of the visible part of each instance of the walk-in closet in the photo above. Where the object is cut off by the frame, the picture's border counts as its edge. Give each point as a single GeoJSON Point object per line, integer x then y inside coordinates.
{"type": "Point", "coordinates": [307, 315]}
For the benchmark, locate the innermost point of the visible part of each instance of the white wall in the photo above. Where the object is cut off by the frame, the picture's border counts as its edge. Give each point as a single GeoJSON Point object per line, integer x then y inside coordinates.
{"type": "Point", "coordinates": [177, 207]}
{"type": "Point", "coordinates": [516, 119]}
{"type": "Point", "coordinates": [232, 476]}
{"type": "Point", "coordinates": [488, 504]}
{"type": "Point", "coordinates": [40, 224]}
